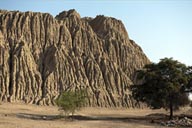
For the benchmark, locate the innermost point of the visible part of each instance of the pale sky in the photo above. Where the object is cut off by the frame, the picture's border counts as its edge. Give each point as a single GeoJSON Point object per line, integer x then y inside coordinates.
{"type": "Point", "coordinates": [162, 28]}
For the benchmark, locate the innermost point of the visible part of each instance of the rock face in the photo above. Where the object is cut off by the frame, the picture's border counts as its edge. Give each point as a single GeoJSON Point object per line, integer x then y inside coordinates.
{"type": "Point", "coordinates": [42, 56]}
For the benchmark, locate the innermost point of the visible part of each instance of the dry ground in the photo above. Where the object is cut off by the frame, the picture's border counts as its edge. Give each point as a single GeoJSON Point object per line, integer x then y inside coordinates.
{"type": "Point", "coordinates": [18, 115]}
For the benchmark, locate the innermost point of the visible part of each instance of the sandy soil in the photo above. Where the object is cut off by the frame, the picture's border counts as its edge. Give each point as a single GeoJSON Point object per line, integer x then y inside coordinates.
{"type": "Point", "coordinates": [18, 115]}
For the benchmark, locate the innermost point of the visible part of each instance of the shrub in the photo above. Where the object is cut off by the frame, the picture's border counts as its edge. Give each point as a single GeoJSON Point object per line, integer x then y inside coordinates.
{"type": "Point", "coordinates": [71, 101]}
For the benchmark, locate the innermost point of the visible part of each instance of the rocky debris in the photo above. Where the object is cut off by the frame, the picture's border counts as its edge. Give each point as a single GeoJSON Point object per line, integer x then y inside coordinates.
{"type": "Point", "coordinates": [42, 56]}
{"type": "Point", "coordinates": [182, 122]}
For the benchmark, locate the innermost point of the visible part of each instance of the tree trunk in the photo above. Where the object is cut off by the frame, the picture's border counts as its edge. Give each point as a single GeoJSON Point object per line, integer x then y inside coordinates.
{"type": "Point", "coordinates": [171, 110]}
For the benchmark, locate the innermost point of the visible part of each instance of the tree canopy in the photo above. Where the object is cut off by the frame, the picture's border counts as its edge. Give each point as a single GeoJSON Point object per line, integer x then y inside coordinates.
{"type": "Point", "coordinates": [70, 101]}
{"type": "Point", "coordinates": [163, 85]}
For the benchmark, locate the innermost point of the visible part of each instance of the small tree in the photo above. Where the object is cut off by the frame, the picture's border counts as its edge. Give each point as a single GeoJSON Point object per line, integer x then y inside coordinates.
{"type": "Point", "coordinates": [71, 101]}
{"type": "Point", "coordinates": [162, 85]}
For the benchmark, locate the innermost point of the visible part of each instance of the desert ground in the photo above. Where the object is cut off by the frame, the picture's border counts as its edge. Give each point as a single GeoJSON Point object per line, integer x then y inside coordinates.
{"type": "Point", "coordinates": [19, 115]}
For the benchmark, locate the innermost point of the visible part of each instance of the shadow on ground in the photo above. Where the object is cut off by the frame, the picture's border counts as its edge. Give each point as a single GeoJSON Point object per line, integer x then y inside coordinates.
{"type": "Point", "coordinates": [151, 119]}
{"type": "Point", "coordinates": [147, 118]}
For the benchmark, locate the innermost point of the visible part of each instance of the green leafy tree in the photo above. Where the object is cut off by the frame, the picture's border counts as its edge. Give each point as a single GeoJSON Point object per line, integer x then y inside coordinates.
{"type": "Point", "coordinates": [189, 74]}
{"type": "Point", "coordinates": [70, 101]}
{"type": "Point", "coordinates": [163, 85]}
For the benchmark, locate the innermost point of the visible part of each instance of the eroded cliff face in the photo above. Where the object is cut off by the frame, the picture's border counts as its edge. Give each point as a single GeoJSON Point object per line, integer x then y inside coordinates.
{"type": "Point", "coordinates": [42, 56]}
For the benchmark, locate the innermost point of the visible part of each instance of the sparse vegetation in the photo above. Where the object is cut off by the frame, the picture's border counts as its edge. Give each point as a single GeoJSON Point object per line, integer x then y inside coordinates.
{"type": "Point", "coordinates": [70, 101]}
{"type": "Point", "coordinates": [163, 85]}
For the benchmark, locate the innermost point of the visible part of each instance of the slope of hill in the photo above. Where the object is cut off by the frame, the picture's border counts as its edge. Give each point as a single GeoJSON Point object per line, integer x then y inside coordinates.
{"type": "Point", "coordinates": [42, 56]}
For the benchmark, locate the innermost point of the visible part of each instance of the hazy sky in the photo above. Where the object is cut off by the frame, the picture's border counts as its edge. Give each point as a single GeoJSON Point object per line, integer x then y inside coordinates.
{"type": "Point", "coordinates": [162, 28]}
